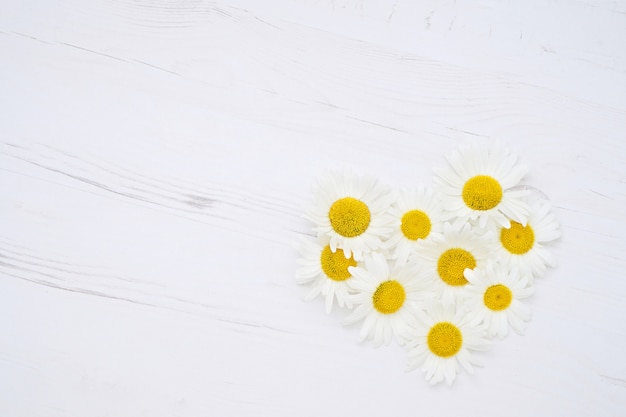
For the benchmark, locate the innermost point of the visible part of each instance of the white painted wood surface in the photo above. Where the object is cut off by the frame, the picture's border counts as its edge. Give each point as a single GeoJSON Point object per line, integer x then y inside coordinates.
{"type": "Point", "coordinates": [156, 156]}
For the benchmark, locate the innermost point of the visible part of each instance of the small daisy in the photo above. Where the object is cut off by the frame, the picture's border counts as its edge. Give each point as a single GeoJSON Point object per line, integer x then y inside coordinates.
{"type": "Point", "coordinates": [477, 184]}
{"type": "Point", "coordinates": [494, 294]}
{"type": "Point", "coordinates": [416, 218]}
{"type": "Point", "coordinates": [350, 211]}
{"type": "Point", "coordinates": [386, 302]}
{"type": "Point", "coordinates": [326, 272]}
{"type": "Point", "coordinates": [441, 339]}
{"type": "Point", "coordinates": [522, 247]}
{"type": "Point", "coordinates": [446, 259]}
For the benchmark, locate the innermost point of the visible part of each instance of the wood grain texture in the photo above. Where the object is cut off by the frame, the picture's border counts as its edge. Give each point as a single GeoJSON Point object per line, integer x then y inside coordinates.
{"type": "Point", "coordinates": [156, 158]}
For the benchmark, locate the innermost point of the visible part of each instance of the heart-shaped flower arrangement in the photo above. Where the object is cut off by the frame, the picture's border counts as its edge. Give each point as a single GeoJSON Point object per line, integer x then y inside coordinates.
{"type": "Point", "coordinates": [441, 270]}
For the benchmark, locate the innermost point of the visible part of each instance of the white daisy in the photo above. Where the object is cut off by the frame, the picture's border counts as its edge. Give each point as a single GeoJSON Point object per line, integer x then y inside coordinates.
{"type": "Point", "coordinates": [416, 216]}
{"type": "Point", "coordinates": [494, 294]}
{"type": "Point", "coordinates": [350, 211]}
{"type": "Point", "coordinates": [385, 301]}
{"type": "Point", "coordinates": [326, 272]}
{"type": "Point", "coordinates": [522, 247]}
{"type": "Point", "coordinates": [441, 339]}
{"type": "Point", "coordinates": [446, 259]}
{"type": "Point", "coordinates": [477, 184]}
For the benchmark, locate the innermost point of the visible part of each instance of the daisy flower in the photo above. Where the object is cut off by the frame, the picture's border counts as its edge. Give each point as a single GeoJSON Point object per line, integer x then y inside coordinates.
{"type": "Point", "coordinates": [522, 247]}
{"type": "Point", "coordinates": [385, 301]}
{"type": "Point", "coordinates": [326, 272]}
{"type": "Point", "coordinates": [441, 339]}
{"type": "Point", "coordinates": [350, 211]}
{"type": "Point", "coordinates": [416, 218]}
{"type": "Point", "coordinates": [494, 294]}
{"type": "Point", "coordinates": [446, 259]}
{"type": "Point", "coordinates": [477, 184]}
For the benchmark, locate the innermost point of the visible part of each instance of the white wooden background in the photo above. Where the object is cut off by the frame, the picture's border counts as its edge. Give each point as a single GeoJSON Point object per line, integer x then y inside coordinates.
{"type": "Point", "coordinates": [156, 157]}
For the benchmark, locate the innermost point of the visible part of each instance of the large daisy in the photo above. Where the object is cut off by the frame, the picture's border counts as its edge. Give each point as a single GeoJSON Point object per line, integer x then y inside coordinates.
{"type": "Point", "coordinates": [494, 294]}
{"type": "Point", "coordinates": [441, 339]}
{"type": "Point", "coordinates": [386, 300]}
{"type": "Point", "coordinates": [522, 246]}
{"type": "Point", "coordinates": [478, 184]}
{"type": "Point", "coordinates": [446, 259]}
{"type": "Point", "coordinates": [350, 211]}
{"type": "Point", "coordinates": [326, 272]}
{"type": "Point", "coordinates": [416, 216]}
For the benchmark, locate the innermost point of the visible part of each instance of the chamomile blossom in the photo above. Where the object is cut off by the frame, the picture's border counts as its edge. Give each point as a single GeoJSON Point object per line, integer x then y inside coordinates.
{"type": "Point", "coordinates": [326, 272]}
{"type": "Point", "coordinates": [478, 184]}
{"type": "Point", "coordinates": [446, 259]}
{"type": "Point", "coordinates": [494, 295]}
{"type": "Point", "coordinates": [522, 246]}
{"type": "Point", "coordinates": [416, 216]}
{"type": "Point", "coordinates": [350, 211]}
{"type": "Point", "coordinates": [440, 339]}
{"type": "Point", "coordinates": [385, 299]}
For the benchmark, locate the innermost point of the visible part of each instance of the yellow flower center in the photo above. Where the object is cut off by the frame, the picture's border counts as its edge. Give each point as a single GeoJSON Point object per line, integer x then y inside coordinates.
{"type": "Point", "coordinates": [389, 297]}
{"type": "Point", "coordinates": [498, 297]}
{"type": "Point", "coordinates": [452, 264]}
{"type": "Point", "coordinates": [517, 239]}
{"type": "Point", "coordinates": [444, 339]}
{"type": "Point", "coordinates": [482, 192]}
{"type": "Point", "coordinates": [415, 225]}
{"type": "Point", "coordinates": [349, 217]}
{"type": "Point", "coordinates": [335, 265]}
